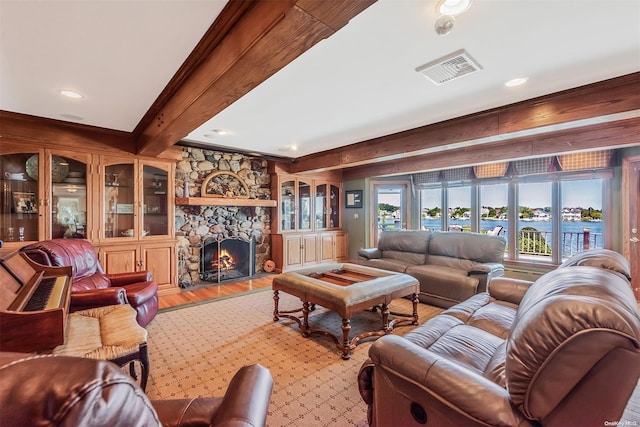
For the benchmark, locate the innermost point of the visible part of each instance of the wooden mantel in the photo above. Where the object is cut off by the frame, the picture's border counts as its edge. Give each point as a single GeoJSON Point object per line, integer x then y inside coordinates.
{"type": "Point", "coordinates": [223, 201]}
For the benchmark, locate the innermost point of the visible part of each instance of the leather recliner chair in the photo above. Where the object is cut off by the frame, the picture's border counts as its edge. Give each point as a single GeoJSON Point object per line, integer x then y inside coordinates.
{"type": "Point", "coordinates": [74, 391]}
{"type": "Point", "coordinates": [91, 286]}
{"type": "Point", "coordinates": [562, 351]}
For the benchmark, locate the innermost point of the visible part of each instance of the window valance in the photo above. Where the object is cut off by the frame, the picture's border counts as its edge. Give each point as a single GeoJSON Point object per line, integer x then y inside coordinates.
{"type": "Point", "coordinates": [566, 162]}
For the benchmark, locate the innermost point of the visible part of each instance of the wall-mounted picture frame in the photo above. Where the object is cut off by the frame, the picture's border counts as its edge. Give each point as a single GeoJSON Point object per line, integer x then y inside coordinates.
{"type": "Point", "coordinates": [25, 202]}
{"type": "Point", "coordinates": [353, 199]}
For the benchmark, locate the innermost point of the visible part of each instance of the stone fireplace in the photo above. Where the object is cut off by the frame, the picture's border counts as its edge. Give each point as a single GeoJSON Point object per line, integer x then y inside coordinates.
{"type": "Point", "coordinates": [201, 225]}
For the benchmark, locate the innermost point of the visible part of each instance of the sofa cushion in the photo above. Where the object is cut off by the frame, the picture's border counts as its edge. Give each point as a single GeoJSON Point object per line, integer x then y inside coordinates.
{"type": "Point", "coordinates": [466, 246]}
{"type": "Point", "coordinates": [445, 282]}
{"type": "Point", "coordinates": [575, 318]}
{"type": "Point", "coordinates": [461, 344]}
{"type": "Point", "coordinates": [486, 313]}
{"type": "Point", "coordinates": [409, 246]}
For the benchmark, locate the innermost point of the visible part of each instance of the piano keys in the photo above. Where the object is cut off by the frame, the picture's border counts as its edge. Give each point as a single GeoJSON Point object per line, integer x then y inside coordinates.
{"type": "Point", "coordinates": [34, 304]}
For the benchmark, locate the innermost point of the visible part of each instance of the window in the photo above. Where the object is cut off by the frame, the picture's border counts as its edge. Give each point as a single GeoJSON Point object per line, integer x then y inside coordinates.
{"type": "Point", "coordinates": [581, 215]}
{"type": "Point", "coordinates": [535, 226]}
{"type": "Point", "coordinates": [459, 208]}
{"type": "Point", "coordinates": [494, 209]}
{"type": "Point", "coordinates": [546, 217]}
{"type": "Point", "coordinates": [431, 209]}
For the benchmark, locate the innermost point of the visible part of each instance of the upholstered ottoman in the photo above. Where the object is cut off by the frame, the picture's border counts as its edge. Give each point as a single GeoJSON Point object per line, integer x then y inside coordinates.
{"type": "Point", "coordinates": [108, 333]}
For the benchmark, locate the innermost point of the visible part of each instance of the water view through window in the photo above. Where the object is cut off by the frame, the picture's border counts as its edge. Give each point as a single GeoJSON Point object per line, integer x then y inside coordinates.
{"type": "Point", "coordinates": [579, 217]}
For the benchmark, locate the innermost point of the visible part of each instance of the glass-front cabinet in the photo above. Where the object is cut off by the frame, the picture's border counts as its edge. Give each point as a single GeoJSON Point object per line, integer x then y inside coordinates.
{"type": "Point", "coordinates": [135, 199]}
{"type": "Point", "coordinates": [33, 208]}
{"type": "Point", "coordinates": [307, 224]}
{"type": "Point", "coordinates": [21, 202]}
{"type": "Point", "coordinates": [307, 204]}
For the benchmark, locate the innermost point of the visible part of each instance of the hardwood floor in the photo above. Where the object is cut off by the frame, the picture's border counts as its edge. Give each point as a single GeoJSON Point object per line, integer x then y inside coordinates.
{"type": "Point", "coordinates": [631, 415]}
{"type": "Point", "coordinates": [214, 291]}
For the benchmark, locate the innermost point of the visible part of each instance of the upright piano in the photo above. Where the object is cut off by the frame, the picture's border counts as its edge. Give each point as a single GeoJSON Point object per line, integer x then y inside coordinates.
{"type": "Point", "coordinates": [34, 304]}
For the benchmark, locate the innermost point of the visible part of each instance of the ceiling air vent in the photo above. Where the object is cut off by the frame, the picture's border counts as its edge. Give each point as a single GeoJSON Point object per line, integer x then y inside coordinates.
{"type": "Point", "coordinates": [452, 66]}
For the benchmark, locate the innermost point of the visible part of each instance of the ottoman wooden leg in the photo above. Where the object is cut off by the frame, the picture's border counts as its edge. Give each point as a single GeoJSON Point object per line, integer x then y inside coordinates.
{"type": "Point", "coordinates": [346, 344]}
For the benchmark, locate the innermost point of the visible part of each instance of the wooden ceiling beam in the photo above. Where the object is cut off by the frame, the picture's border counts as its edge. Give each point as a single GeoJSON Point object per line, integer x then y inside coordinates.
{"type": "Point", "coordinates": [538, 118]}
{"type": "Point", "coordinates": [616, 134]}
{"type": "Point", "coordinates": [248, 43]}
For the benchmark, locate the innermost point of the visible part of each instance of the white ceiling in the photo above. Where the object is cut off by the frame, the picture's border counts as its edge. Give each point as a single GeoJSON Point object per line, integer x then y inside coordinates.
{"type": "Point", "coordinates": [359, 84]}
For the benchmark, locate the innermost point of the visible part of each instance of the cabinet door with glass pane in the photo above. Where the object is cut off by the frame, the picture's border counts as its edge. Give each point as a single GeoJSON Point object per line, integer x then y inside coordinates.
{"type": "Point", "coordinates": [119, 200]}
{"type": "Point", "coordinates": [156, 196]}
{"type": "Point", "coordinates": [68, 194]}
{"type": "Point", "coordinates": [21, 201]}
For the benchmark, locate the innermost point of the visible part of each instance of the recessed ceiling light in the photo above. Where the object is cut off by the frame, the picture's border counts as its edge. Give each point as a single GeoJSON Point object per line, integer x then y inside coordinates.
{"type": "Point", "coordinates": [70, 94]}
{"type": "Point", "coordinates": [294, 147]}
{"type": "Point", "coordinates": [220, 131]}
{"type": "Point", "coordinates": [516, 82]}
{"type": "Point", "coordinates": [453, 7]}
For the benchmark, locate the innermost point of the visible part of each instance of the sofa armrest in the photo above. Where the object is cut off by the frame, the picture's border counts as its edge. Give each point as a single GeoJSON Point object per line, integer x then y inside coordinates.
{"type": "Point", "coordinates": [507, 289]}
{"type": "Point", "coordinates": [83, 300]}
{"type": "Point", "coordinates": [370, 253]}
{"type": "Point", "coordinates": [244, 404]}
{"type": "Point", "coordinates": [451, 383]}
{"type": "Point", "coordinates": [124, 279]}
{"type": "Point", "coordinates": [138, 293]}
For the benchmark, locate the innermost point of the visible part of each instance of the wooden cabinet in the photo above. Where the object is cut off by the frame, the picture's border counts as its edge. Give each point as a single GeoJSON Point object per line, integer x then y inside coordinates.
{"type": "Point", "coordinates": [123, 205]}
{"type": "Point", "coordinates": [291, 251]}
{"type": "Point", "coordinates": [159, 258]}
{"type": "Point", "coordinates": [137, 214]}
{"type": "Point", "coordinates": [334, 246]}
{"type": "Point", "coordinates": [306, 223]}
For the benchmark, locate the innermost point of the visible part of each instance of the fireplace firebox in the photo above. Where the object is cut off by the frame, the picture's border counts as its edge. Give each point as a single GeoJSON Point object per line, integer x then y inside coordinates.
{"type": "Point", "coordinates": [227, 259]}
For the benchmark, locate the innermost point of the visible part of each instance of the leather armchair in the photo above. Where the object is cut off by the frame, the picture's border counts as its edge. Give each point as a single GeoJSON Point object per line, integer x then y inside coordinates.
{"type": "Point", "coordinates": [74, 391]}
{"type": "Point", "coordinates": [564, 350]}
{"type": "Point", "coordinates": [91, 286]}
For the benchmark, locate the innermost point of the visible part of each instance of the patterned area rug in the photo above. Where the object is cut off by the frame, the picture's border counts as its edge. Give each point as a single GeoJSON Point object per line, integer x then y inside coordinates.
{"type": "Point", "coordinates": [194, 351]}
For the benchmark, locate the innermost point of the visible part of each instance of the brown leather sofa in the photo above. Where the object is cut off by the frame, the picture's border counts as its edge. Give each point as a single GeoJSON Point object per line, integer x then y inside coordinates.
{"type": "Point", "coordinates": [450, 266]}
{"type": "Point", "coordinates": [91, 286]}
{"type": "Point", "coordinates": [563, 351]}
{"type": "Point", "coordinates": [73, 391]}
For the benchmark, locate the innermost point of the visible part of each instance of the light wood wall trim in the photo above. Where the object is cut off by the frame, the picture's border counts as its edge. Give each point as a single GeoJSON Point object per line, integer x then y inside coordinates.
{"type": "Point", "coordinates": [49, 133]}
{"type": "Point", "coordinates": [600, 136]}
{"type": "Point", "coordinates": [265, 38]}
{"type": "Point", "coordinates": [600, 101]}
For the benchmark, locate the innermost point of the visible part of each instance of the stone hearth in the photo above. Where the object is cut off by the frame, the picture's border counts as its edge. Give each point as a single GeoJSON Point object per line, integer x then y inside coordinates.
{"type": "Point", "coordinates": [196, 225]}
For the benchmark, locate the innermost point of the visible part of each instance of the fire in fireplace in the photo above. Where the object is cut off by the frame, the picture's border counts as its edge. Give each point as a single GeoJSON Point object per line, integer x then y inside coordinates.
{"type": "Point", "coordinates": [227, 259]}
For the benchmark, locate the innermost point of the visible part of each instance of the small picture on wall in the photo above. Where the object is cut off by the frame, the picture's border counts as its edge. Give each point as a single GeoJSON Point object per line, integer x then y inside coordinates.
{"type": "Point", "coordinates": [353, 199]}
{"type": "Point", "coordinates": [25, 202]}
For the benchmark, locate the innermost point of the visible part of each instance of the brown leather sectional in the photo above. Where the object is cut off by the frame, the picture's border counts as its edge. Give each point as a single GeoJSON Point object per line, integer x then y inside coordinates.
{"type": "Point", "coordinates": [74, 391]}
{"type": "Point", "coordinates": [451, 266]}
{"type": "Point", "coordinates": [562, 351]}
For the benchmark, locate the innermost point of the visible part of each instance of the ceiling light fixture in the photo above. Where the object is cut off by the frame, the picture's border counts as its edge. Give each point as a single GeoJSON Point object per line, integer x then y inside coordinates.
{"type": "Point", "coordinates": [70, 94]}
{"type": "Point", "coordinates": [453, 7]}
{"type": "Point", "coordinates": [516, 82]}
{"type": "Point", "coordinates": [448, 9]}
